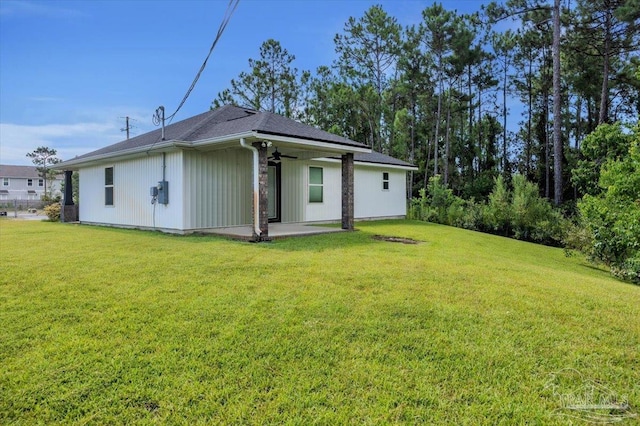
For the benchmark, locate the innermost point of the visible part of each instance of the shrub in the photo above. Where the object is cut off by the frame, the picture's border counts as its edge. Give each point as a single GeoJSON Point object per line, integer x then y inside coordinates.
{"type": "Point", "coordinates": [613, 216]}
{"type": "Point", "coordinates": [470, 216]}
{"type": "Point", "coordinates": [499, 211]}
{"type": "Point", "coordinates": [628, 270]}
{"type": "Point", "coordinates": [418, 206]}
{"type": "Point", "coordinates": [437, 204]}
{"type": "Point", "coordinates": [53, 212]}
{"type": "Point", "coordinates": [521, 214]}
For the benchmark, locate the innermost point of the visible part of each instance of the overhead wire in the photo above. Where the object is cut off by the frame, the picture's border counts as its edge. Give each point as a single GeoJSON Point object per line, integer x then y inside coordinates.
{"type": "Point", "coordinates": [231, 7]}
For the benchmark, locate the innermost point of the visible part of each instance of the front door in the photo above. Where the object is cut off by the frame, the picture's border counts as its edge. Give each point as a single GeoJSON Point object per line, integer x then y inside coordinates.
{"type": "Point", "coordinates": [273, 178]}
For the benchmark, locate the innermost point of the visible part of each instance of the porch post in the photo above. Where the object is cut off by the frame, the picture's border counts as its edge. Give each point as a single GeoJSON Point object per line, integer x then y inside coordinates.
{"type": "Point", "coordinates": [347, 191]}
{"type": "Point", "coordinates": [263, 187]}
{"type": "Point", "coordinates": [68, 189]}
{"type": "Point", "coordinates": [69, 209]}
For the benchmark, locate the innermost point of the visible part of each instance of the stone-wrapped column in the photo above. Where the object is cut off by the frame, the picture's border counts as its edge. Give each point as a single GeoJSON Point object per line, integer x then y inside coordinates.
{"type": "Point", "coordinates": [69, 209]}
{"type": "Point", "coordinates": [347, 191]}
{"type": "Point", "coordinates": [263, 195]}
{"type": "Point", "coordinates": [68, 188]}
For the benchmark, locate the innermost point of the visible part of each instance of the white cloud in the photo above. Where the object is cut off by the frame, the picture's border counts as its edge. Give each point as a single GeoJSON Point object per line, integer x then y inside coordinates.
{"type": "Point", "coordinates": [16, 140]}
{"type": "Point", "coordinates": [45, 10]}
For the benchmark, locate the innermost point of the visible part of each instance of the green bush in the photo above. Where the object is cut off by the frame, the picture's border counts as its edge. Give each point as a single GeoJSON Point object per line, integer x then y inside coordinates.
{"type": "Point", "coordinates": [613, 216]}
{"type": "Point", "coordinates": [53, 212]}
{"type": "Point", "coordinates": [628, 270]}
{"type": "Point", "coordinates": [498, 214]}
{"type": "Point", "coordinates": [437, 204]}
{"type": "Point", "coordinates": [520, 213]}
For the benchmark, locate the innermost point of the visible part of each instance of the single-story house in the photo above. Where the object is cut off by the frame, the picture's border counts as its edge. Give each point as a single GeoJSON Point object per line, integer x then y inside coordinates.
{"type": "Point", "coordinates": [25, 183]}
{"type": "Point", "coordinates": [235, 166]}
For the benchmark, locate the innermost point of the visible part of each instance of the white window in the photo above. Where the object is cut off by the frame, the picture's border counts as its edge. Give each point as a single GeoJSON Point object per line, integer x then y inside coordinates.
{"type": "Point", "coordinates": [315, 185]}
{"type": "Point", "coordinates": [108, 186]}
{"type": "Point", "coordinates": [29, 182]}
{"type": "Point", "coordinates": [385, 181]}
{"type": "Point", "coordinates": [5, 181]}
{"type": "Point", "coordinates": [40, 182]}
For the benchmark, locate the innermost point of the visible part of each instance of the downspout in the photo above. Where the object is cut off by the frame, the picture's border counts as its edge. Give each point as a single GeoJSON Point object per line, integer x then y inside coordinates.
{"type": "Point", "coordinates": [256, 187]}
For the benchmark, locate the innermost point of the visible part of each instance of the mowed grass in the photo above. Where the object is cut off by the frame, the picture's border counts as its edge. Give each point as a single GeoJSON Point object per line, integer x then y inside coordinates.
{"type": "Point", "coordinates": [111, 326]}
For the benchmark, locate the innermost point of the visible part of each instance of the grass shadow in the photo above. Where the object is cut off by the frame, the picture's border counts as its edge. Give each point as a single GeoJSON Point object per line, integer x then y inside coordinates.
{"type": "Point", "coordinates": [321, 242]}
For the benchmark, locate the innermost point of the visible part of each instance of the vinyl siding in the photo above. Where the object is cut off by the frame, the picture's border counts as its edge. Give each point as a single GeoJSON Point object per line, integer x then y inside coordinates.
{"type": "Point", "coordinates": [293, 191]}
{"type": "Point", "coordinates": [371, 200]}
{"type": "Point", "coordinates": [132, 206]}
{"type": "Point", "coordinates": [331, 206]}
{"type": "Point", "coordinates": [218, 188]}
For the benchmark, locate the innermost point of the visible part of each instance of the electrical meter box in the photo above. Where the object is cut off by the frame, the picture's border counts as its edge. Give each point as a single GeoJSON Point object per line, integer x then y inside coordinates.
{"type": "Point", "coordinates": [163, 192]}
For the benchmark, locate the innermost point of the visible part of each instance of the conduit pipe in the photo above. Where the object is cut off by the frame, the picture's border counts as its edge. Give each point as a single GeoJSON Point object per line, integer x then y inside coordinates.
{"type": "Point", "coordinates": [256, 186]}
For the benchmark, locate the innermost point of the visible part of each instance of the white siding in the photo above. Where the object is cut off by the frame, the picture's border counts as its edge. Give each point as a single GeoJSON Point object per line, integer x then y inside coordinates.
{"type": "Point", "coordinates": [18, 188]}
{"type": "Point", "coordinates": [214, 189]}
{"type": "Point", "coordinates": [331, 206]}
{"type": "Point", "coordinates": [218, 188]}
{"type": "Point", "coordinates": [371, 200]}
{"type": "Point", "coordinates": [132, 180]}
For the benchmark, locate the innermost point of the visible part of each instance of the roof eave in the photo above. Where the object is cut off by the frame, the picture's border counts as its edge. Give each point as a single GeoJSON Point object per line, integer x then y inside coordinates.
{"type": "Point", "coordinates": [326, 146]}
{"type": "Point", "coordinates": [371, 163]}
{"type": "Point", "coordinates": [75, 164]}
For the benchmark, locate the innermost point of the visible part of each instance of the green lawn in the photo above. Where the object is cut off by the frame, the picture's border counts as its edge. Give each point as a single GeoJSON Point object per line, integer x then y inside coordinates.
{"type": "Point", "coordinates": [111, 326]}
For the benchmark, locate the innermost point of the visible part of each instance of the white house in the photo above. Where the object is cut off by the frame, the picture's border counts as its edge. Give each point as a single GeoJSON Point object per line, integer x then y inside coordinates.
{"type": "Point", "coordinates": [235, 166]}
{"type": "Point", "coordinates": [25, 183]}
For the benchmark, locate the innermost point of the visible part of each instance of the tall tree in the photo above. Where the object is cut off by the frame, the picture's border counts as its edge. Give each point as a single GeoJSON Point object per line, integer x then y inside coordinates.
{"type": "Point", "coordinates": [609, 30]}
{"type": "Point", "coordinates": [367, 54]}
{"type": "Point", "coordinates": [557, 108]}
{"type": "Point", "coordinates": [44, 157]}
{"type": "Point", "coordinates": [436, 29]}
{"type": "Point", "coordinates": [503, 46]}
{"type": "Point", "coordinates": [415, 89]}
{"type": "Point", "coordinates": [272, 84]}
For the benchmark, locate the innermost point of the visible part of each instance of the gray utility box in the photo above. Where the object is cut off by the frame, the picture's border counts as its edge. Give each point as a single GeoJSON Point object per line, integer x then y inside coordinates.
{"type": "Point", "coordinates": [163, 192]}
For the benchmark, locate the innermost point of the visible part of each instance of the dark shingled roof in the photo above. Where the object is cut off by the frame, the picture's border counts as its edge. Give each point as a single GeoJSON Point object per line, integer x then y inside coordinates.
{"type": "Point", "coordinates": [226, 121]}
{"type": "Point", "coordinates": [378, 158]}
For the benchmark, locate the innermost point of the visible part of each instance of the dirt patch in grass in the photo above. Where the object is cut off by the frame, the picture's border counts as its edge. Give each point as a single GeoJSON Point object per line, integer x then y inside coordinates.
{"type": "Point", "coordinates": [395, 239]}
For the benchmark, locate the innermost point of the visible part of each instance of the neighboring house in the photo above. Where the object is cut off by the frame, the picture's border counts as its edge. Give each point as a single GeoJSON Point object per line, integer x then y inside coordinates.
{"type": "Point", "coordinates": [25, 183]}
{"type": "Point", "coordinates": [235, 166]}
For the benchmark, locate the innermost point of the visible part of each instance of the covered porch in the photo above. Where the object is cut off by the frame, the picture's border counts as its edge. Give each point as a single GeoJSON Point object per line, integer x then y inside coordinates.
{"type": "Point", "coordinates": [276, 231]}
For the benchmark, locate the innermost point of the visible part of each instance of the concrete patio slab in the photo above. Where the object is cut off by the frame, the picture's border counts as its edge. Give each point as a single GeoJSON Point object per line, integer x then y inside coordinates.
{"type": "Point", "coordinates": [276, 231]}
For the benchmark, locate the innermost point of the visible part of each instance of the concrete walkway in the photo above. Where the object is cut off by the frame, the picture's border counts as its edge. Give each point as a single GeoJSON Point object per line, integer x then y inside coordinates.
{"type": "Point", "coordinates": [276, 230]}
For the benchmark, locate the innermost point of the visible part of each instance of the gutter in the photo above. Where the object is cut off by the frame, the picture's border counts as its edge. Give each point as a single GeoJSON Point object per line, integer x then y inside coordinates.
{"type": "Point", "coordinates": [75, 162]}
{"type": "Point", "coordinates": [256, 187]}
{"type": "Point", "coordinates": [368, 163]}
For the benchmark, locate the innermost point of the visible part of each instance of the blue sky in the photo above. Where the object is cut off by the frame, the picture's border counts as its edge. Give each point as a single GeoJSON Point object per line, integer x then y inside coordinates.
{"type": "Point", "coordinates": [71, 70]}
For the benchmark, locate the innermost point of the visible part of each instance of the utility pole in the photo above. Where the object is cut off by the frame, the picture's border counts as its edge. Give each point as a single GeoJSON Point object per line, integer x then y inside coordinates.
{"type": "Point", "coordinates": [127, 126]}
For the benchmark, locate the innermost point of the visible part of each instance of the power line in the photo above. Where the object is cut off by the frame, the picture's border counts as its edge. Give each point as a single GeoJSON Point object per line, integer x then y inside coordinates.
{"type": "Point", "coordinates": [231, 7]}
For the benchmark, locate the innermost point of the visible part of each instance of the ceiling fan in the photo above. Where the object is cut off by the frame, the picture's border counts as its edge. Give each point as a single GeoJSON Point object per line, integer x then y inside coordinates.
{"type": "Point", "coordinates": [278, 156]}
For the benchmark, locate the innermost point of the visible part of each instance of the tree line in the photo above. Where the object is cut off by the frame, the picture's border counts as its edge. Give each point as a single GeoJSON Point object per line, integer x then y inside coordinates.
{"type": "Point", "coordinates": [499, 121]}
{"type": "Point", "coordinates": [441, 94]}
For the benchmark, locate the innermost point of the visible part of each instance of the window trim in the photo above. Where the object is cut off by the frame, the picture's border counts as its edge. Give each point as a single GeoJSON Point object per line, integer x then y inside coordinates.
{"type": "Point", "coordinates": [5, 181]}
{"type": "Point", "coordinates": [29, 182]}
{"type": "Point", "coordinates": [385, 181]}
{"type": "Point", "coordinates": [316, 185]}
{"type": "Point", "coordinates": [40, 182]}
{"type": "Point", "coordinates": [108, 188]}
